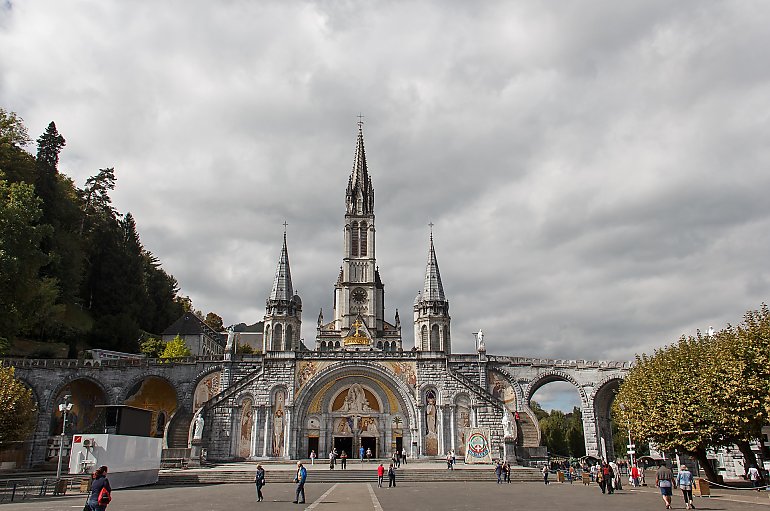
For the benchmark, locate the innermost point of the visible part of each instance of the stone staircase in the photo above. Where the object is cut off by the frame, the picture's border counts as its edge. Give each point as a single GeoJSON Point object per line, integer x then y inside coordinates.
{"type": "Point", "coordinates": [178, 430]}
{"type": "Point", "coordinates": [417, 475]}
{"type": "Point", "coordinates": [528, 431]}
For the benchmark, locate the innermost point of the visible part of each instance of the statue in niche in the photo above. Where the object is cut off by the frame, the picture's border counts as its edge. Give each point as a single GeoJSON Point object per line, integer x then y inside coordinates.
{"type": "Point", "coordinates": [356, 400]}
{"type": "Point", "coordinates": [430, 413]}
{"type": "Point", "coordinates": [247, 423]}
{"type": "Point", "coordinates": [344, 426]}
{"type": "Point", "coordinates": [278, 425]}
{"type": "Point", "coordinates": [463, 422]}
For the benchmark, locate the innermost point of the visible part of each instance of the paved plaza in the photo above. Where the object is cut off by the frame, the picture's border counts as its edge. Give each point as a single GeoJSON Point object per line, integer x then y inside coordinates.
{"type": "Point", "coordinates": [422, 496]}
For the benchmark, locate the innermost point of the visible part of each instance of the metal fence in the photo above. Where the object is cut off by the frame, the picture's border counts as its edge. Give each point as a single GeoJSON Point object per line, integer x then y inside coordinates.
{"type": "Point", "coordinates": [16, 490]}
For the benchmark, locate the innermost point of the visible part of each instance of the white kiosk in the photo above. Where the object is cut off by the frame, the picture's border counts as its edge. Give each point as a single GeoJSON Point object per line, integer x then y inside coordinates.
{"type": "Point", "coordinates": [126, 448]}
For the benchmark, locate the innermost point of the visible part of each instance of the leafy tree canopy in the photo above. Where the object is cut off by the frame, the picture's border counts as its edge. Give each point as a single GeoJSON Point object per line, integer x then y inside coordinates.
{"type": "Point", "coordinates": [176, 348]}
{"type": "Point", "coordinates": [17, 408]}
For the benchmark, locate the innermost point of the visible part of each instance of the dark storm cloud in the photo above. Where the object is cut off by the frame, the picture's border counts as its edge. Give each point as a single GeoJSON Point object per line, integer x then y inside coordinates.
{"type": "Point", "coordinates": [596, 170]}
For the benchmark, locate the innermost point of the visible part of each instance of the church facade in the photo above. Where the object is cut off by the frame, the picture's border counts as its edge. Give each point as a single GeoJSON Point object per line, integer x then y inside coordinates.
{"type": "Point", "coordinates": [363, 386]}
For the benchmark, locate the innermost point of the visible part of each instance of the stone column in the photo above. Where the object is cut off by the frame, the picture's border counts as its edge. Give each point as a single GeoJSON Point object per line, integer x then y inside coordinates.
{"type": "Point", "coordinates": [420, 435]}
{"type": "Point", "coordinates": [287, 431]}
{"type": "Point", "coordinates": [323, 433]}
{"type": "Point", "coordinates": [452, 425]}
{"type": "Point", "coordinates": [591, 433]}
{"type": "Point", "coordinates": [441, 450]}
{"type": "Point", "coordinates": [266, 438]}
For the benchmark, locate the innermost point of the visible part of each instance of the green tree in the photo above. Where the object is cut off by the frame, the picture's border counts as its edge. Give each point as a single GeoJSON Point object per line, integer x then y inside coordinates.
{"type": "Point", "coordinates": [17, 164]}
{"type": "Point", "coordinates": [152, 347]}
{"type": "Point", "coordinates": [246, 349]}
{"type": "Point", "coordinates": [214, 321]}
{"type": "Point", "coordinates": [17, 408]}
{"type": "Point", "coordinates": [23, 294]}
{"type": "Point", "coordinates": [176, 348]}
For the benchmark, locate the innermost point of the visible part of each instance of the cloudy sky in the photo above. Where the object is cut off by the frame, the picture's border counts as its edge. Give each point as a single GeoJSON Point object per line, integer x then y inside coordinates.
{"type": "Point", "coordinates": [597, 171]}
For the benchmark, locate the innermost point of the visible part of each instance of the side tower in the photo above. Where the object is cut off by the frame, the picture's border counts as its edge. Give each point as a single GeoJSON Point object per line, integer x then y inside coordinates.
{"type": "Point", "coordinates": [283, 311]}
{"type": "Point", "coordinates": [431, 310]}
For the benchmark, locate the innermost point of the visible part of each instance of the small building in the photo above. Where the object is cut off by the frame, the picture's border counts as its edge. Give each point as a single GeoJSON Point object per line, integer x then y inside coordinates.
{"type": "Point", "coordinates": [199, 337]}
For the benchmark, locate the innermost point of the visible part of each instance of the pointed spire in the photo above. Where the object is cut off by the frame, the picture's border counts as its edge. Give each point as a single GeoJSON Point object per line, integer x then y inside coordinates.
{"type": "Point", "coordinates": [359, 184]}
{"type": "Point", "coordinates": [282, 288]}
{"type": "Point", "coordinates": [433, 289]}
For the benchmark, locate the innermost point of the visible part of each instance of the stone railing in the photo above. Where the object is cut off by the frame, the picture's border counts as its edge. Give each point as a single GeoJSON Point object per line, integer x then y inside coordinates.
{"type": "Point", "coordinates": [353, 355]}
{"type": "Point", "coordinates": [69, 363]}
{"type": "Point", "coordinates": [550, 362]}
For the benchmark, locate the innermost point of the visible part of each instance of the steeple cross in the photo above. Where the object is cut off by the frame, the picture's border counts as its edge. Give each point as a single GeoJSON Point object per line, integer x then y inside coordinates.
{"type": "Point", "coordinates": [360, 120]}
{"type": "Point", "coordinates": [285, 225]}
{"type": "Point", "coordinates": [431, 224]}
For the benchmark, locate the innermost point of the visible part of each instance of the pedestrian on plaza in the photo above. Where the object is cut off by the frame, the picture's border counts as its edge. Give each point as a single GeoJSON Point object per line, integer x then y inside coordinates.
{"type": "Point", "coordinates": [380, 475]}
{"type": "Point", "coordinates": [313, 456]}
{"type": "Point", "coordinates": [635, 476]}
{"type": "Point", "coordinates": [664, 480]}
{"type": "Point", "coordinates": [507, 470]}
{"type": "Point", "coordinates": [397, 457]}
{"type": "Point", "coordinates": [572, 474]}
{"type": "Point", "coordinates": [499, 472]}
{"type": "Point", "coordinates": [609, 477]}
{"type": "Point", "coordinates": [454, 458]}
{"type": "Point", "coordinates": [684, 480]}
{"type": "Point", "coordinates": [259, 481]}
{"type": "Point", "coordinates": [332, 459]}
{"type": "Point", "coordinates": [449, 461]}
{"type": "Point", "coordinates": [300, 480]}
{"type": "Point", "coordinates": [391, 476]}
{"type": "Point", "coordinates": [343, 460]}
{"type": "Point", "coordinates": [545, 474]}
{"type": "Point", "coordinates": [594, 469]}
{"type": "Point", "coordinates": [101, 491]}
{"type": "Point", "coordinates": [600, 481]}
{"type": "Point", "coordinates": [368, 454]}
{"type": "Point", "coordinates": [361, 453]}
{"type": "Point", "coordinates": [754, 476]}
{"type": "Point", "coordinates": [403, 455]}
{"type": "Point", "coordinates": [616, 482]}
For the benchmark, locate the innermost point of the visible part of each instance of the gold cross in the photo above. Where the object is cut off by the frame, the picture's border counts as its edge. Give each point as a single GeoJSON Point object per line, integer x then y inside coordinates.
{"type": "Point", "coordinates": [357, 324]}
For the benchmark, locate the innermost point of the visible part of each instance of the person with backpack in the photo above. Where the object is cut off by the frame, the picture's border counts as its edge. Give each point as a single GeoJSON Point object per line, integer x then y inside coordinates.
{"type": "Point", "coordinates": [684, 480]}
{"type": "Point", "coordinates": [259, 481]}
{"type": "Point", "coordinates": [101, 491]}
{"type": "Point", "coordinates": [391, 476]}
{"type": "Point", "coordinates": [300, 480]}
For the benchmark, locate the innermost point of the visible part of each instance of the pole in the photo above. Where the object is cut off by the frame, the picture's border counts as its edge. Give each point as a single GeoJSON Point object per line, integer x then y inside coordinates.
{"type": "Point", "coordinates": [64, 407]}
{"type": "Point", "coordinates": [631, 448]}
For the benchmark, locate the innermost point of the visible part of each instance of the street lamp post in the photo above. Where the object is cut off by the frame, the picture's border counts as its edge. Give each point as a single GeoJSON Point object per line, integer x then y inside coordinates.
{"type": "Point", "coordinates": [631, 446]}
{"type": "Point", "coordinates": [64, 407]}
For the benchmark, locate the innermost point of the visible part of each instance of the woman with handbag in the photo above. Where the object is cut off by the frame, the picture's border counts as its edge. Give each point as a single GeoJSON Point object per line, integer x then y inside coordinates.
{"type": "Point", "coordinates": [101, 491]}
{"type": "Point", "coordinates": [259, 480]}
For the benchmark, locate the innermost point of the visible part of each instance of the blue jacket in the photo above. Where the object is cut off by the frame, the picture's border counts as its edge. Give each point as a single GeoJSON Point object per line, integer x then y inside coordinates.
{"type": "Point", "coordinates": [301, 475]}
{"type": "Point", "coordinates": [684, 478]}
{"type": "Point", "coordinates": [96, 487]}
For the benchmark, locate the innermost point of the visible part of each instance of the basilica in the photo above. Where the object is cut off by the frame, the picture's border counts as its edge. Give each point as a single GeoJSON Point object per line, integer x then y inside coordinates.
{"type": "Point", "coordinates": [362, 385]}
{"type": "Point", "coordinates": [366, 381]}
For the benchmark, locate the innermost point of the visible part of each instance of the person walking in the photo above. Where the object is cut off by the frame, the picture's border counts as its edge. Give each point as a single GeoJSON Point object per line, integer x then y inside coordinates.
{"type": "Point", "coordinates": [616, 482]}
{"type": "Point", "coordinates": [507, 470]}
{"type": "Point", "coordinates": [600, 480]}
{"type": "Point", "coordinates": [545, 474]}
{"type": "Point", "coordinates": [380, 475]}
{"type": "Point", "coordinates": [313, 456]}
{"type": "Point", "coordinates": [343, 460]}
{"type": "Point", "coordinates": [594, 469]}
{"type": "Point", "coordinates": [361, 452]}
{"type": "Point", "coordinates": [259, 481]}
{"type": "Point", "coordinates": [635, 476]}
{"type": "Point", "coordinates": [403, 455]}
{"type": "Point", "coordinates": [754, 476]}
{"type": "Point", "coordinates": [391, 476]}
{"type": "Point", "coordinates": [101, 491]}
{"type": "Point", "coordinates": [300, 480]}
{"type": "Point", "coordinates": [397, 457]}
{"type": "Point", "coordinates": [454, 458]}
{"type": "Point", "coordinates": [449, 461]}
{"type": "Point", "coordinates": [331, 459]}
{"type": "Point", "coordinates": [609, 477]}
{"type": "Point", "coordinates": [684, 480]}
{"type": "Point", "coordinates": [664, 480]}
{"type": "Point", "coordinates": [499, 472]}
{"type": "Point", "coordinates": [368, 454]}
{"type": "Point", "coordinates": [572, 474]}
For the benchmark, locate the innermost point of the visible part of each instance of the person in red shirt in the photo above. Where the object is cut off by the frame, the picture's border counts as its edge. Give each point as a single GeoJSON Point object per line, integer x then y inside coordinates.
{"type": "Point", "coordinates": [380, 475]}
{"type": "Point", "coordinates": [635, 476]}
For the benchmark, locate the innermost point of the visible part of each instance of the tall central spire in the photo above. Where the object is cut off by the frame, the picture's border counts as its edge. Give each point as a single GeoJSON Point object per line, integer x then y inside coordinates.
{"type": "Point", "coordinates": [282, 287]}
{"type": "Point", "coordinates": [359, 198]}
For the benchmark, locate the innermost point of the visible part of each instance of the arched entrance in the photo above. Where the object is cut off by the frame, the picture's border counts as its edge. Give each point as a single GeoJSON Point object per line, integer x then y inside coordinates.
{"type": "Point", "coordinates": [349, 408]}
{"type": "Point", "coordinates": [603, 399]}
{"type": "Point", "coordinates": [559, 412]}
{"type": "Point", "coordinates": [156, 394]}
{"type": "Point", "coordinates": [85, 395]}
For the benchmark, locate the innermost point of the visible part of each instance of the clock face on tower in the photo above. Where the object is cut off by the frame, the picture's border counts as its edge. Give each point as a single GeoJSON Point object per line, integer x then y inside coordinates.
{"type": "Point", "coordinates": [358, 295]}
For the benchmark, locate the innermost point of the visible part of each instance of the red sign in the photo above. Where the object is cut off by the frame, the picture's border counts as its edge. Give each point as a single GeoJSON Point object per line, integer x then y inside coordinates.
{"type": "Point", "coordinates": [77, 439]}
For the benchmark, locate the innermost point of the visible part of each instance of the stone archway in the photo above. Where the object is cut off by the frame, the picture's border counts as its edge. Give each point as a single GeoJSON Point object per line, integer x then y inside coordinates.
{"type": "Point", "coordinates": [157, 394]}
{"type": "Point", "coordinates": [603, 397]}
{"type": "Point", "coordinates": [85, 395]}
{"type": "Point", "coordinates": [354, 406]}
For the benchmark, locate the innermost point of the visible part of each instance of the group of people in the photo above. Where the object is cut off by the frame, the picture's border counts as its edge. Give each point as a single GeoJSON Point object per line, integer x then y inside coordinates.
{"type": "Point", "coordinates": [391, 475]}
{"type": "Point", "coordinates": [666, 482]}
{"type": "Point", "coordinates": [451, 460]}
{"type": "Point", "coordinates": [503, 472]}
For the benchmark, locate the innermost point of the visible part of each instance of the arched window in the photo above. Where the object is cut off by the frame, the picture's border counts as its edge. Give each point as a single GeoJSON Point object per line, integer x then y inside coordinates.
{"type": "Point", "coordinates": [267, 338]}
{"type": "Point", "coordinates": [424, 338]}
{"type": "Point", "coordinates": [337, 344]}
{"type": "Point", "coordinates": [379, 345]}
{"type": "Point", "coordinates": [435, 341]}
{"type": "Point", "coordinates": [289, 337]}
{"type": "Point", "coordinates": [364, 233]}
{"type": "Point", "coordinates": [354, 239]}
{"type": "Point", "coordinates": [277, 337]}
